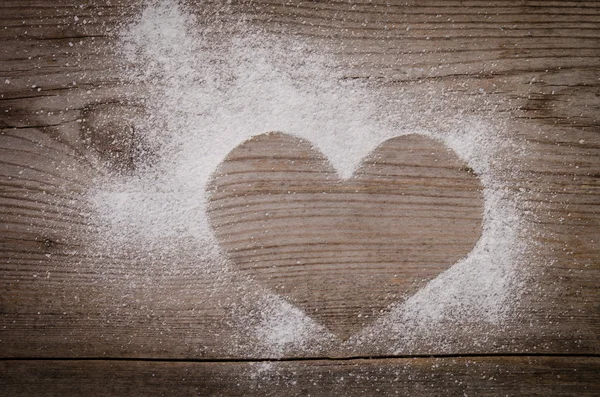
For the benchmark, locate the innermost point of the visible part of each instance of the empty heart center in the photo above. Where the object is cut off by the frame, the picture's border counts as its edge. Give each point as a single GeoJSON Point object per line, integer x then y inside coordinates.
{"type": "Point", "coordinates": [344, 250]}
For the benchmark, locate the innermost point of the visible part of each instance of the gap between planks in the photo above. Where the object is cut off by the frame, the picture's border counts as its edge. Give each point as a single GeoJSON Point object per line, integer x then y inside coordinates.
{"type": "Point", "coordinates": [306, 359]}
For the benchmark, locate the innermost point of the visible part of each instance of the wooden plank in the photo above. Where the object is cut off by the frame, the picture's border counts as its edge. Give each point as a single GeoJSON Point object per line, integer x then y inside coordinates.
{"type": "Point", "coordinates": [461, 376]}
{"type": "Point", "coordinates": [536, 62]}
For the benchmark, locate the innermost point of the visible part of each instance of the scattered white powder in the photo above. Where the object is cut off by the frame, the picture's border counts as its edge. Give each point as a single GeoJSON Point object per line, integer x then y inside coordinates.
{"type": "Point", "coordinates": [276, 328]}
{"type": "Point", "coordinates": [206, 92]}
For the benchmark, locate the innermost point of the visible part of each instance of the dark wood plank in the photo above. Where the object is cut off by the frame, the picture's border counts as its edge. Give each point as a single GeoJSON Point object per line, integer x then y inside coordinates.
{"type": "Point", "coordinates": [467, 376]}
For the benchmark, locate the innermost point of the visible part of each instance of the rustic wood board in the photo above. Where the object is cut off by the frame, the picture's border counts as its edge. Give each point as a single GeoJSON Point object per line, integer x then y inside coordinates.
{"type": "Point", "coordinates": [538, 62]}
{"type": "Point", "coordinates": [464, 376]}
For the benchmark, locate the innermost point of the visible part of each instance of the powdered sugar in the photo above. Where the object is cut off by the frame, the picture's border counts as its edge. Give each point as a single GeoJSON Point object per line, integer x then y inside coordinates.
{"type": "Point", "coordinates": [205, 92]}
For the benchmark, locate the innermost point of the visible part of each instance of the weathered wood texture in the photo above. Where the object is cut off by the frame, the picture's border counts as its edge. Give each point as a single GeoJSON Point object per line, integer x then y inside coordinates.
{"type": "Point", "coordinates": [538, 62]}
{"type": "Point", "coordinates": [468, 376]}
{"type": "Point", "coordinates": [345, 250]}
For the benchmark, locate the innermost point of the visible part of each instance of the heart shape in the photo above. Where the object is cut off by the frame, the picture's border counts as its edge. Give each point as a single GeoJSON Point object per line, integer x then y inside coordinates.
{"type": "Point", "coordinates": [344, 250]}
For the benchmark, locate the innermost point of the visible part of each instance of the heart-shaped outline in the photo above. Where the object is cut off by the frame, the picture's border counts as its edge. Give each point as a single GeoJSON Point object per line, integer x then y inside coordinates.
{"type": "Point", "coordinates": [285, 156]}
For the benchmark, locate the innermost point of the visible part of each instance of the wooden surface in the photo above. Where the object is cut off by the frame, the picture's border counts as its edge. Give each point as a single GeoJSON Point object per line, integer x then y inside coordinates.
{"type": "Point", "coordinates": [536, 62]}
{"type": "Point", "coordinates": [345, 250]}
{"type": "Point", "coordinates": [471, 376]}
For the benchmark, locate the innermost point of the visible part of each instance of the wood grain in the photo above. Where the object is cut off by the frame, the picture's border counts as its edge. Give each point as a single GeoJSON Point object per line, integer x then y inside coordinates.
{"type": "Point", "coordinates": [535, 62]}
{"type": "Point", "coordinates": [344, 251]}
{"type": "Point", "coordinates": [461, 376]}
